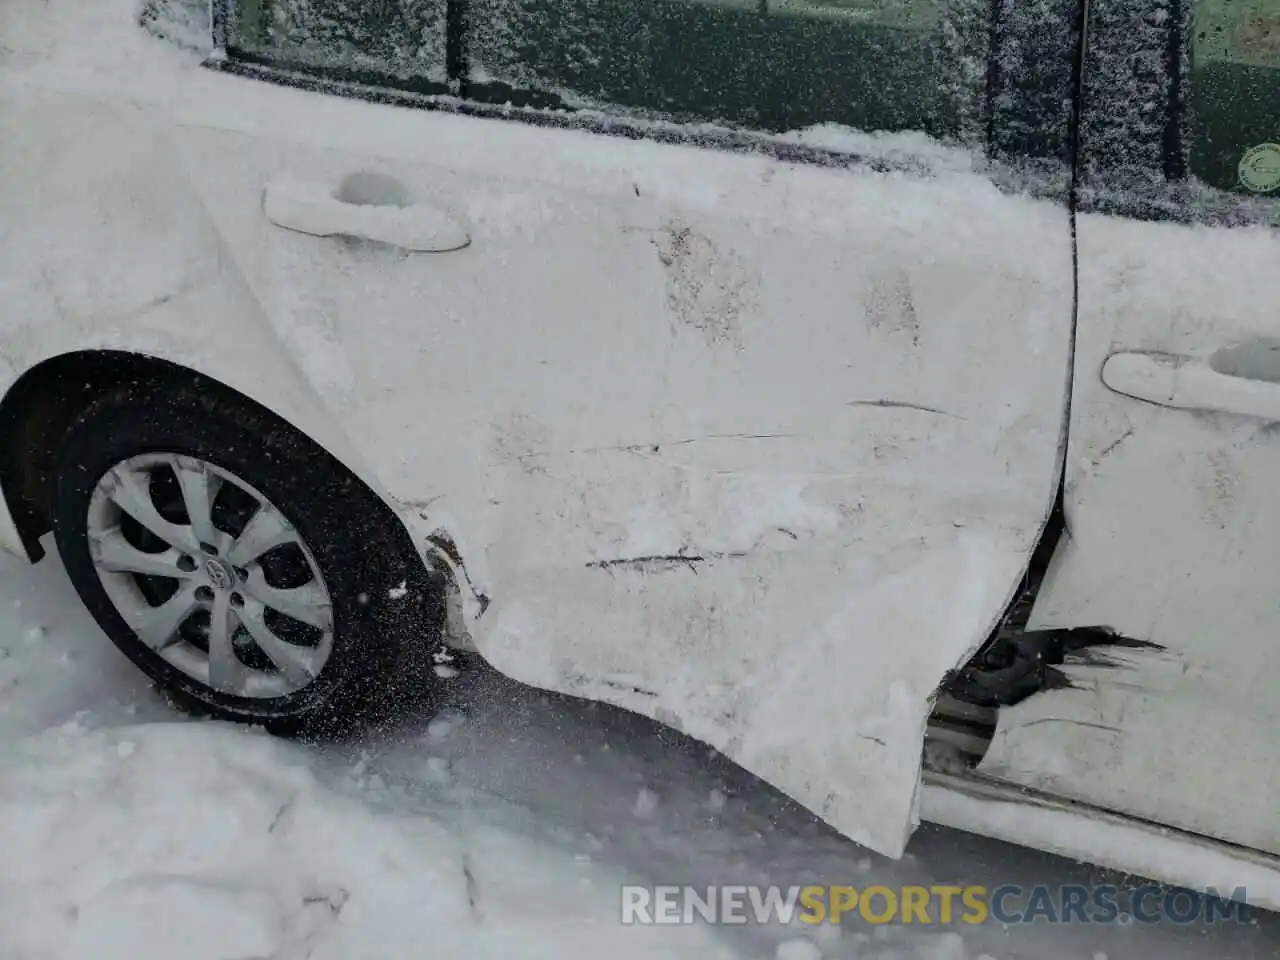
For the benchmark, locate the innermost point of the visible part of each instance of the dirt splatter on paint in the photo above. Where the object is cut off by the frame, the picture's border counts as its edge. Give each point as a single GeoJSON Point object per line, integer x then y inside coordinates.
{"type": "Point", "coordinates": [1218, 483]}
{"type": "Point", "coordinates": [708, 289]}
{"type": "Point", "coordinates": [523, 440]}
{"type": "Point", "coordinates": [891, 306]}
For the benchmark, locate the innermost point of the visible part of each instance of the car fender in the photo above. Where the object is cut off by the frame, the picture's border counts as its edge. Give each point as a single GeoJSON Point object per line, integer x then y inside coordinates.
{"type": "Point", "coordinates": [108, 247]}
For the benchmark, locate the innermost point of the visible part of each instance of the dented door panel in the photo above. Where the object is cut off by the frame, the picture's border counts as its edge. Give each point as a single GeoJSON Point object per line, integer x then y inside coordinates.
{"type": "Point", "coordinates": [758, 449]}
{"type": "Point", "coordinates": [1172, 514]}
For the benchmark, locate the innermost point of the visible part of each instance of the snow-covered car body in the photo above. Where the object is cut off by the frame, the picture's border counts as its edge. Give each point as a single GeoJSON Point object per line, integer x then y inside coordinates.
{"type": "Point", "coordinates": [755, 433]}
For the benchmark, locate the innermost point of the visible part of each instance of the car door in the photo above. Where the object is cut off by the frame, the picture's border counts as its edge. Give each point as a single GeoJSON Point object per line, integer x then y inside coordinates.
{"type": "Point", "coordinates": [1174, 455]}
{"type": "Point", "coordinates": [731, 414]}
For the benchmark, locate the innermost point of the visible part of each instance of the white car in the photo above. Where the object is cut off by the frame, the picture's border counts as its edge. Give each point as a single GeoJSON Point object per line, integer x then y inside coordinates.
{"type": "Point", "coordinates": [883, 392]}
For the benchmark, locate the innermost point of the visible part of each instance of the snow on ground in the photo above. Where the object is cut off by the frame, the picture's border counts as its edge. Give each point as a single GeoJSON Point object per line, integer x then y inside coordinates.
{"type": "Point", "coordinates": [502, 827]}
{"type": "Point", "coordinates": [207, 842]}
{"type": "Point", "coordinates": [128, 839]}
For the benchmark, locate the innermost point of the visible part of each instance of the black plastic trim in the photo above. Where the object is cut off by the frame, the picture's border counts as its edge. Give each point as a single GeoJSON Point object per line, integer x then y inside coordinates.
{"type": "Point", "coordinates": [457, 65]}
{"type": "Point", "coordinates": [1176, 55]}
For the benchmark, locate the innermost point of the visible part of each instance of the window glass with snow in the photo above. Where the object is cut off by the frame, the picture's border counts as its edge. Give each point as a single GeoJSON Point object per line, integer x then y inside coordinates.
{"type": "Point", "coordinates": [1235, 95]}
{"type": "Point", "coordinates": [773, 65]}
{"type": "Point", "coordinates": [767, 64]}
{"type": "Point", "coordinates": [399, 42]}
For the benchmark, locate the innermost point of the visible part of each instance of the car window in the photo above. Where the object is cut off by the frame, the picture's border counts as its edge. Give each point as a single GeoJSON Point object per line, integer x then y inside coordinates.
{"type": "Point", "coordinates": [396, 41]}
{"type": "Point", "coordinates": [769, 64]}
{"type": "Point", "coordinates": [1235, 95]}
{"type": "Point", "coordinates": [877, 65]}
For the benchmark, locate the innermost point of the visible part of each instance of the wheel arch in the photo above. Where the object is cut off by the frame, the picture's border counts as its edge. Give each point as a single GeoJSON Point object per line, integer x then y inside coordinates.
{"type": "Point", "coordinates": [43, 401]}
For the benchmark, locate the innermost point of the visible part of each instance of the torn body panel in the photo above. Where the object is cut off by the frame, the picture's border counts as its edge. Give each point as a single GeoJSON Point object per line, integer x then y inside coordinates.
{"type": "Point", "coordinates": [813, 668]}
{"type": "Point", "coordinates": [1117, 737]}
{"type": "Point", "coordinates": [1028, 662]}
{"type": "Point", "coordinates": [797, 620]}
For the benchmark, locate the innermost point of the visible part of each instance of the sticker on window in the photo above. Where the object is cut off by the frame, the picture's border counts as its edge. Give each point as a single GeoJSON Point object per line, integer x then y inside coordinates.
{"type": "Point", "coordinates": [1260, 168]}
{"type": "Point", "coordinates": [1258, 37]}
{"type": "Point", "coordinates": [1238, 31]}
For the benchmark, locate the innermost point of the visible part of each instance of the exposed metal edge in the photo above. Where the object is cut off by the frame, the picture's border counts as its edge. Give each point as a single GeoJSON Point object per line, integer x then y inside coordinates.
{"type": "Point", "coordinates": [1082, 832]}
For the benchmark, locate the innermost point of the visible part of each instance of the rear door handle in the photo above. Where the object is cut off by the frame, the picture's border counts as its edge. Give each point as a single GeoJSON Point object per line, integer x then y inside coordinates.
{"type": "Point", "coordinates": [1183, 383]}
{"type": "Point", "coordinates": [375, 209]}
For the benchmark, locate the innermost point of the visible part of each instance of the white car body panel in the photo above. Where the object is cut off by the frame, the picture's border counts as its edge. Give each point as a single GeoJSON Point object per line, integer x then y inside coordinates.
{"type": "Point", "coordinates": [81, 83]}
{"type": "Point", "coordinates": [662, 491]}
{"type": "Point", "coordinates": [107, 247]}
{"type": "Point", "coordinates": [10, 539]}
{"type": "Point", "coordinates": [760, 450]}
{"type": "Point", "coordinates": [1171, 507]}
{"type": "Point", "coordinates": [1106, 839]}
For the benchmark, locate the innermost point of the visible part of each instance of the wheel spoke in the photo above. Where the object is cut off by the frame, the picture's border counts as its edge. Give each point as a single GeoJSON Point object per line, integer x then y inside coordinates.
{"type": "Point", "coordinates": [298, 664]}
{"type": "Point", "coordinates": [131, 492]}
{"type": "Point", "coordinates": [157, 627]}
{"type": "Point", "coordinates": [307, 603]}
{"type": "Point", "coordinates": [226, 672]}
{"type": "Point", "coordinates": [214, 574]}
{"type": "Point", "coordinates": [266, 530]}
{"type": "Point", "coordinates": [113, 553]}
{"type": "Point", "coordinates": [199, 489]}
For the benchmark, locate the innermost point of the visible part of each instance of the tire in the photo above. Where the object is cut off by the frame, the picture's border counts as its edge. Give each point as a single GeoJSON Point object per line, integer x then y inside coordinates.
{"type": "Point", "coordinates": [363, 613]}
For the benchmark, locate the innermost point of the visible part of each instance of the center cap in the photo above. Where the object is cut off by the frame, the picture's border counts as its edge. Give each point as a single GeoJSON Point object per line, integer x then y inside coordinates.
{"type": "Point", "coordinates": [218, 574]}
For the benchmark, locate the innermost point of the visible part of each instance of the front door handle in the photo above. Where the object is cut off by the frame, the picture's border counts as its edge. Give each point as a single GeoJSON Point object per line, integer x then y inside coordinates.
{"type": "Point", "coordinates": [1188, 384]}
{"type": "Point", "coordinates": [369, 210]}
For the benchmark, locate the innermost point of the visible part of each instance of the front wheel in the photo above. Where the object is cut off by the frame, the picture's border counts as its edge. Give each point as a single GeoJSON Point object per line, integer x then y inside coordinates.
{"type": "Point", "coordinates": [234, 562]}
